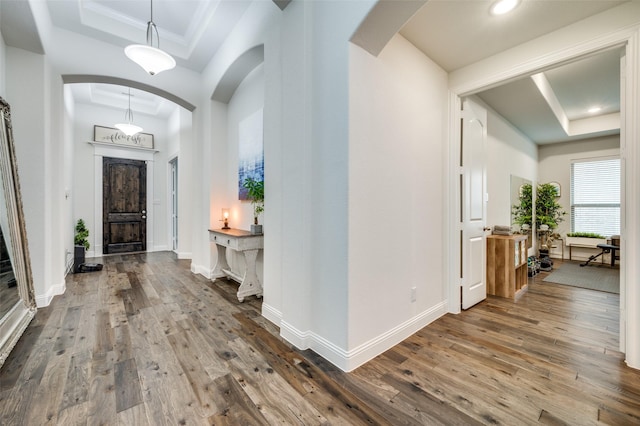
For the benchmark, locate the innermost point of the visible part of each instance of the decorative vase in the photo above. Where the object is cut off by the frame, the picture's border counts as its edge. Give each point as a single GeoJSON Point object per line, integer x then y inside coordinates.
{"type": "Point", "coordinates": [544, 227]}
{"type": "Point", "coordinates": [256, 229]}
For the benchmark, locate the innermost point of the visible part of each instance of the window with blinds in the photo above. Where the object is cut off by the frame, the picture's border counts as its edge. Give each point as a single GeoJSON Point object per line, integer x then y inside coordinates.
{"type": "Point", "coordinates": [595, 196]}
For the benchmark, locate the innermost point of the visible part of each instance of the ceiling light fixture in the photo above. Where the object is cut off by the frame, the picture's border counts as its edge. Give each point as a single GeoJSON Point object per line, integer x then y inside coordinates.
{"type": "Point", "coordinates": [594, 109]}
{"type": "Point", "coordinates": [151, 59]}
{"type": "Point", "coordinates": [501, 7]}
{"type": "Point", "coordinates": [128, 128]}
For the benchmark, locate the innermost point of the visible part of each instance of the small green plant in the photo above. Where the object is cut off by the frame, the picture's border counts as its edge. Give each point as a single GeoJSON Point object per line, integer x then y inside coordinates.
{"type": "Point", "coordinates": [255, 193]}
{"type": "Point", "coordinates": [82, 235]}
{"type": "Point", "coordinates": [585, 235]}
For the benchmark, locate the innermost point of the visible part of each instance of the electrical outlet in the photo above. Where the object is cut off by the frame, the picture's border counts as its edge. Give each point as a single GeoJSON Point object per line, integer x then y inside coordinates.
{"type": "Point", "coordinates": [413, 294]}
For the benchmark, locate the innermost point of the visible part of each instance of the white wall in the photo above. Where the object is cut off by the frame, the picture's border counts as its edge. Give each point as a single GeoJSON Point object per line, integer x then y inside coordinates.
{"type": "Point", "coordinates": [83, 193]}
{"type": "Point", "coordinates": [247, 100]}
{"type": "Point", "coordinates": [68, 138]}
{"type": "Point", "coordinates": [555, 166]}
{"type": "Point", "coordinates": [3, 71]}
{"type": "Point", "coordinates": [26, 88]}
{"type": "Point", "coordinates": [315, 175]}
{"type": "Point", "coordinates": [398, 105]}
{"type": "Point", "coordinates": [509, 152]}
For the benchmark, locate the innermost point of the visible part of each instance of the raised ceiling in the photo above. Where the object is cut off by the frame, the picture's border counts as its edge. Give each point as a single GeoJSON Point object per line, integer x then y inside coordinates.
{"type": "Point", "coordinates": [457, 33]}
{"type": "Point", "coordinates": [192, 31]}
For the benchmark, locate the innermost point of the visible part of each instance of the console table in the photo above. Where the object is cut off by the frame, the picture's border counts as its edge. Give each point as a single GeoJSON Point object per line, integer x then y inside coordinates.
{"type": "Point", "coordinates": [242, 241]}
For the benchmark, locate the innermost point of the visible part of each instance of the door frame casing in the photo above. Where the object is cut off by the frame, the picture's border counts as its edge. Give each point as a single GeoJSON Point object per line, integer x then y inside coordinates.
{"type": "Point", "coordinates": [100, 151]}
{"type": "Point", "coordinates": [170, 201]}
{"type": "Point", "coordinates": [628, 38]}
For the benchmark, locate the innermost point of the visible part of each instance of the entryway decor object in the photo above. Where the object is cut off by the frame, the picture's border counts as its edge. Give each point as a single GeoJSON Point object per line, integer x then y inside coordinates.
{"type": "Point", "coordinates": [81, 245]}
{"type": "Point", "coordinates": [255, 193]}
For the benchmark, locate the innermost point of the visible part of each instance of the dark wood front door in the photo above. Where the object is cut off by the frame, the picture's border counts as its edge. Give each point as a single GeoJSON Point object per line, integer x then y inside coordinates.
{"type": "Point", "coordinates": [124, 205]}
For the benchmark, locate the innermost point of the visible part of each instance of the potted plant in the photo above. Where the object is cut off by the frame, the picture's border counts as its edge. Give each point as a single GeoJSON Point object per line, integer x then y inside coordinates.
{"type": "Point", "coordinates": [548, 211]}
{"type": "Point", "coordinates": [255, 193]}
{"type": "Point", "coordinates": [588, 239]}
{"type": "Point", "coordinates": [549, 214]}
{"type": "Point", "coordinates": [81, 242]}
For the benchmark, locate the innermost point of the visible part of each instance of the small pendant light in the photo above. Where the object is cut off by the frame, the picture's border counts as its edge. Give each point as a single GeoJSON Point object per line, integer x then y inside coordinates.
{"type": "Point", "coordinates": [128, 128]}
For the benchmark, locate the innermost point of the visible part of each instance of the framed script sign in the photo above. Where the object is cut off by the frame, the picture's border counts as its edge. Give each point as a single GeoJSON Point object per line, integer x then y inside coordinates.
{"type": "Point", "coordinates": [116, 137]}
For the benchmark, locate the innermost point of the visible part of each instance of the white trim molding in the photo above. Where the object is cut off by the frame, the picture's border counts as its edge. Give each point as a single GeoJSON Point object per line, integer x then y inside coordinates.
{"type": "Point", "coordinates": [202, 270]}
{"type": "Point", "coordinates": [630, 206]}
{"type": "Point", "coordinates": [43, 300]}
{"type": "Point", "coordinates": [271, 313]}
{"type": "Point", "coordinates": [352, 359]}
{"type": "Point", "coordinates": [183, 255]}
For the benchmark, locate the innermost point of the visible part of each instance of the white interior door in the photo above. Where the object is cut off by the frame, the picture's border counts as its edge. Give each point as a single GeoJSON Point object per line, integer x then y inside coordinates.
{"type": "Point", "coordinates": [473, 203]}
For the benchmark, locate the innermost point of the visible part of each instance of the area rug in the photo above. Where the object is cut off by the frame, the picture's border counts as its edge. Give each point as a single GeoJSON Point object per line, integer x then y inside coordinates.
{"type": "Point", "coordinates": [594, 277]}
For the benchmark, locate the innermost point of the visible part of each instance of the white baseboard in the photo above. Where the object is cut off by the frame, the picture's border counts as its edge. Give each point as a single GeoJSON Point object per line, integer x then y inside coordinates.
{"type": "Point", "coordinates": [352, 359]}
{"type": "Point", "coordinates": [43, 300]}
{"type": "Point", "coordinates": [160, 248]}
{"type": "Point", "coordinates": [271, 313]}
{"type": "Point", "coordinates": [199, 269]}
{"type": "Point", "coordinates": [183, 255]}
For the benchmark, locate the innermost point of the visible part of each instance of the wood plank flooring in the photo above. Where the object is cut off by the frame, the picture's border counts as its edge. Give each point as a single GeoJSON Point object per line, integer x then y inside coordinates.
{"type": "Point", "coordinates": [146, 342]}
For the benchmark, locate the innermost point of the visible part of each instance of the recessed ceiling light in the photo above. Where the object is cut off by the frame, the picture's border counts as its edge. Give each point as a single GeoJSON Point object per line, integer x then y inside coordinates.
{"type": "Point", "coordinates": [500, 7]}
{"type": "Point", "coordinates": [594, 109]}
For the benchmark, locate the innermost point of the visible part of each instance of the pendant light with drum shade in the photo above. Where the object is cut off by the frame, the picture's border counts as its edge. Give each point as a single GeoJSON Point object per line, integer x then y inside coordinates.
{"type": "Point", "coordinates": [128, 128]}
{"type": "Point", "coordinates": [151, 59]}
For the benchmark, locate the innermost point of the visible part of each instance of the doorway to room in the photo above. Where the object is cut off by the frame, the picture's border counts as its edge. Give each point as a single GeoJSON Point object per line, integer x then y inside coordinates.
{"type": "Point", "coordinates": [480, 87]}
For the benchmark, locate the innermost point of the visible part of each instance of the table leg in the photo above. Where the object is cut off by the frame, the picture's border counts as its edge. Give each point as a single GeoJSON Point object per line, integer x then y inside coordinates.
{"type": "Point", "coordinates": [221, 263]}
{"type": "Point", "coordinates": [250, 284]}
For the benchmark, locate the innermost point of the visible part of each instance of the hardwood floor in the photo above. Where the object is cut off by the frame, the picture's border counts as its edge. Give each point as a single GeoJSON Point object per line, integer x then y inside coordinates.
{"type": "Point", "coordinates": [145, 341]}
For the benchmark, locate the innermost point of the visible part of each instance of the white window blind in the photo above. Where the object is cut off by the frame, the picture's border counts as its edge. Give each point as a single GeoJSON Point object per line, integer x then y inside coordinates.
{"type": "Point", "coordinates": [595, 196]}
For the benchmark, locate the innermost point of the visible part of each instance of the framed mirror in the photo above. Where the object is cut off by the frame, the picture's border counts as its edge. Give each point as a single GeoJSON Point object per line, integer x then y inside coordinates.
{"type": "Point", "coordinates": [522, 207]}
{"type": "Point", "coordinates": [17, 300]}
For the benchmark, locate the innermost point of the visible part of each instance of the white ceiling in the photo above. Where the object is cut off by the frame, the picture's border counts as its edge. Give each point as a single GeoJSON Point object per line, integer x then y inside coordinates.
{"type": "Point", "coordinates": [192, 31]}
{"type": "Point", "coordinates": [472, 34]}
{"type": "Point", "coordinates": [453, 33]}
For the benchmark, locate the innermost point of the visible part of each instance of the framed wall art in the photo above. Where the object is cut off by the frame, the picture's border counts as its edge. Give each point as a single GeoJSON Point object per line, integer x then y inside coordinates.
{"type": "Point", "coordinates": [116, 137]}
{"type": "Point", "coordinates": [250, 151]}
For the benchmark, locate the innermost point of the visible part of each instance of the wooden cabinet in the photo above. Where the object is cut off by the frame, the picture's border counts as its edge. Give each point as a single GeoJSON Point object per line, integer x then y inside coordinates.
{"type": "Point", "coordinates": [507, 274]}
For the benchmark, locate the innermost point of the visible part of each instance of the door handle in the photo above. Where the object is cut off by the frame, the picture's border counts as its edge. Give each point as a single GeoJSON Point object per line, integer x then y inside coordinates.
{"type": "Point", "coordinates": [486, 228]}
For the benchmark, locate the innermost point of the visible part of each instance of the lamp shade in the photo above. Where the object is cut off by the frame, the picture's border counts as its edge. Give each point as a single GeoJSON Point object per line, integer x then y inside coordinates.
{"type": "Point", "coordinates": [151, 59]}
{"type": "Point", "coordinates": [128, 128]}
